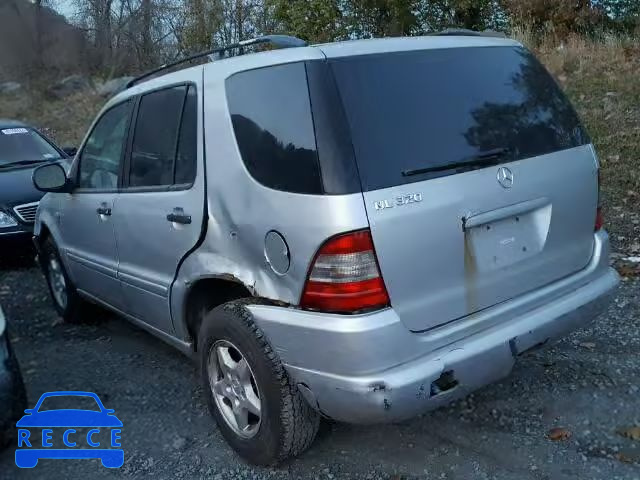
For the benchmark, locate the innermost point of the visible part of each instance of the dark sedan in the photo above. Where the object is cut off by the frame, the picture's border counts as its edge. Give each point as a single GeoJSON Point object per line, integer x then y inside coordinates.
{"type": "Point", "coordinates": [22, 149]}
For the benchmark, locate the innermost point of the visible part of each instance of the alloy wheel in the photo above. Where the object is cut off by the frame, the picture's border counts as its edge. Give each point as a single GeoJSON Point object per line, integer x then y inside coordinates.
{"type": "Point", "coordinates": [234, 388]}
{"type": "Point", "coordinates": [58, 282]}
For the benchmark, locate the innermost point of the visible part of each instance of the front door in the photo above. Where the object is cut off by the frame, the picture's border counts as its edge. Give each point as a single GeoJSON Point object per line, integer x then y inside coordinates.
{"type": "Point", "coordinates": [89, 241]}
{"type": "Point", "coordinates": [161, 206]}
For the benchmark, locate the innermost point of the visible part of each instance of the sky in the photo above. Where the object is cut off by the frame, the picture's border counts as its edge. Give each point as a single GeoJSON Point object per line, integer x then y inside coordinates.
{"type": "Point", "coordinates": [63, 7]}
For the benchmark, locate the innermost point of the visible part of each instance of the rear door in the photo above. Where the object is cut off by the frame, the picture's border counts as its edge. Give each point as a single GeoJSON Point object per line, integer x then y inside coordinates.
{"type": "Point", "coordinates": [161, 206]}
{"type": "Point", "coordinates": [479, 181]}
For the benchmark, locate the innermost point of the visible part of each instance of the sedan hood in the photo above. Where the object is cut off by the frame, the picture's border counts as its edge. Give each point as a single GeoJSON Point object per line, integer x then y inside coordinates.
{"type": "Point", "coordinates": [16, 186]}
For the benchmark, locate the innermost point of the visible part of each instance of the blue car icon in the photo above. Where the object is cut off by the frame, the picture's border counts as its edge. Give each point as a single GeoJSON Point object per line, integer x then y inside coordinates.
{"type": "Point", "coordinates": [32, 446]}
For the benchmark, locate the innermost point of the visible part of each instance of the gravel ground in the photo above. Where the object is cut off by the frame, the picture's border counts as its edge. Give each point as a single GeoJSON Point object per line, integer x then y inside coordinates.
{"type": "Point", "coordinates": [588, 384]}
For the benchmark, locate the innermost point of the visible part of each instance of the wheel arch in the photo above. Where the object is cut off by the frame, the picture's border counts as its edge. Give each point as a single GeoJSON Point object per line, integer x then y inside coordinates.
{"type": "Point", "coordinates": [205, 294]}
{"type": "Point", "coordinates": [47, 226]}
{"type": "Point", "coordinates": [42, 232]}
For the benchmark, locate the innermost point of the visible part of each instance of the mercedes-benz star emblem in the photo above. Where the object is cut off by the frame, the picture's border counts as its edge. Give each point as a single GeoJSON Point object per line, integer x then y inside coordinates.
{"type": "Point", "coordinates": [505, 177]}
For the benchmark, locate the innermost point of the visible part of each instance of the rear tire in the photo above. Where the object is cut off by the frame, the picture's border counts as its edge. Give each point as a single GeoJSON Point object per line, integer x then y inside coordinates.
{"type": "Point", "coordinates": [66, 300]}
{"type": "Point", "coordinates": [284, 425]}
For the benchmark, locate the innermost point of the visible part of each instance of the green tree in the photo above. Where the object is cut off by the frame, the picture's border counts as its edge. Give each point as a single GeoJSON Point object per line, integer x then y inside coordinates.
{"type": "Point", "coordinates": [221, 22]}
{"type": "Point", "coordinates": [311, 20]}
{"type": "Point", "coordinates": [469, 14]}
{"type": "Point", "coordinates": [474, 14]}
{"type": "Point", "coordinates": [624, 14]}
{"type": "Point", "coordinates": [558, 18]}
{"type": "Point", "coordinates": [378, 18]}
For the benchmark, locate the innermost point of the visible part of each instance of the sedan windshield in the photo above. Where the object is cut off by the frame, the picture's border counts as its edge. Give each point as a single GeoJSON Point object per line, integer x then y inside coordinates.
{"type": "Point", "coordinates": [24, 144]}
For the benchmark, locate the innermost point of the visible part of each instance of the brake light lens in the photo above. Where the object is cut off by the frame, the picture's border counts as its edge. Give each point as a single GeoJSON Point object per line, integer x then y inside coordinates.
{"type": "Point", "coordinates": [599, 216]}
{"type": "Point", "coordinates": [599, 219]}
{"type": "Point", "coordinates": [345, 277]}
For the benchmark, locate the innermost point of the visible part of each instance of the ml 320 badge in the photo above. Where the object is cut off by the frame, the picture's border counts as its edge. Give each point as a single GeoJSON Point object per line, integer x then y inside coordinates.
{"type": "Point", "coordinates": [398, 201]}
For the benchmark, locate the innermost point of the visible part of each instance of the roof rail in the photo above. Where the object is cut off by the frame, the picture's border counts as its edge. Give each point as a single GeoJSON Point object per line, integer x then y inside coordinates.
{"type": "Point", "coordinates": [279, 41]}
{"type": "Point", "coordinates": [470, 33]}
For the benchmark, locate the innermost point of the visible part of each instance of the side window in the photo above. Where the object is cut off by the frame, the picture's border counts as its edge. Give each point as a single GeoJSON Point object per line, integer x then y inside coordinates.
{"type": "Point", "coordinates": [100, 158]}
{"type": "Point", "coordinates": [271, 115]}
{"type": "Point", "coordinates": [155, 138]}
{"type": "Point", "coordinates": [187, 157]}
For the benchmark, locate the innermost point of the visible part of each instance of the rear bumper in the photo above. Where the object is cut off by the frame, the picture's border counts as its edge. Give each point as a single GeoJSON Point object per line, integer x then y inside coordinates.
{"type": "Point", "coordinates": [370, 368]}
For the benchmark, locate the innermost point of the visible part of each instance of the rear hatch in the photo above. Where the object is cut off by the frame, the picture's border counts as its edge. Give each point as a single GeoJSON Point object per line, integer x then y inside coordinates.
{"type": "Point", "coordinates": [479, 181]}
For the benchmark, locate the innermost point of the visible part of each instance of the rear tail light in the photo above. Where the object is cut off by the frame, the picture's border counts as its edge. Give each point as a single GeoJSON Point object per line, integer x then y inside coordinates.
{"type": "Point", "coordinates": [599, 216]}
{"type": "Point", "coordinates": [345, 277]}
{"type": "Point", "coordinates": [599, 219]}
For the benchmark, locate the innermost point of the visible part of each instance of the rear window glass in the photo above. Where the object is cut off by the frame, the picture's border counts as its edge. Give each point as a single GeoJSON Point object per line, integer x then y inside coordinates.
{"type": "Point", "coordinates": [413, 110]}
{"type": "Point", "coordinates": [19, 144]}
{"type": "Point", "coordinates": [187, 156]}
{"type": "Point", "coordinates": [156, 136]}
{"type": "Point", "coordinates": [272, 121]}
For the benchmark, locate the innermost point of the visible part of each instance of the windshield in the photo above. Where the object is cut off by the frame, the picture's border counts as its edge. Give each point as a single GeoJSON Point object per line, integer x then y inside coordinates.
{"type": "Point", "coordinates": [64, 402]}
{"type": "Point", "coordinates": [24, 144]}
{"type": "Point", "coordinates": [426, 110]}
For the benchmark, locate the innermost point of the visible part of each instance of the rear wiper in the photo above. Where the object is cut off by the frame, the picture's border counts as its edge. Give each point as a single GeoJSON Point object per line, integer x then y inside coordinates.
{"type": "Point", "coordinates": [483, 159]}
{"type": "Point", "coordinates": [23, 162]}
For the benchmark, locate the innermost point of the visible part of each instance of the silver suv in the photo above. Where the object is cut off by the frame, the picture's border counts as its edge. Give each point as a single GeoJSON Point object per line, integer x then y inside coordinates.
{"type": "Point", "coordinates": [362, 230]}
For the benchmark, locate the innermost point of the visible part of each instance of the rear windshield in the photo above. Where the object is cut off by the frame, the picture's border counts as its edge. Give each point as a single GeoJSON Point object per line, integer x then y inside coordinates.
{"type": "Point", "coordinates": [20, 144]}
{"type": "Point", "coordinates": [411, 111]}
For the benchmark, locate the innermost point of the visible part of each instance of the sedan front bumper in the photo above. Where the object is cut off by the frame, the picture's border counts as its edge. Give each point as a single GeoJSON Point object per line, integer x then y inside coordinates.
{"type": "Point", "coordinates": [15, 240]}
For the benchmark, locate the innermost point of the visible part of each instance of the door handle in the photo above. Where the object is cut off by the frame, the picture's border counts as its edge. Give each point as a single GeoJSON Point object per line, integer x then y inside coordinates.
{"type": "Point", "coordinates": [103, 210]}
{"type": "Point", "coordinates": [178, 216]}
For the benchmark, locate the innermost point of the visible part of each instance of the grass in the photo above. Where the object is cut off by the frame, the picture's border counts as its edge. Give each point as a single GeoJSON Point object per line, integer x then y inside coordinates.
{"type": "Point", "coordinates": [65, 121]}
{"type": "Point", "coordinates": [601, 78]}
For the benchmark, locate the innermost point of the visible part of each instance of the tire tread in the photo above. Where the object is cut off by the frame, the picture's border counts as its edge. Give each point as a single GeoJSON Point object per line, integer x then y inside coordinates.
{"type": "Point", "coordinates": [76, 308]}
{"type": "Point", "coordinates": [300, 422]}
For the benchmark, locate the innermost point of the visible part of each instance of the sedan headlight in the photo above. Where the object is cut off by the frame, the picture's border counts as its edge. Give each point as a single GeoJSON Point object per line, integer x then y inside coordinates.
{"type": "Point", "coordinates": [7, 220]}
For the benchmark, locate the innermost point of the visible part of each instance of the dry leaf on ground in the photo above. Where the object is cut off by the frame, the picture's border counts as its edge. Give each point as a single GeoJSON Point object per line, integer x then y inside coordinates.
{"type": "Point", "coordinates": [628, 269]}
{"type": "Point", "coordinates": [624, 458]}
{"type": "Point", "coordinates": [630, 432]}
{"type": "Point", "coordinates": [558, 434]}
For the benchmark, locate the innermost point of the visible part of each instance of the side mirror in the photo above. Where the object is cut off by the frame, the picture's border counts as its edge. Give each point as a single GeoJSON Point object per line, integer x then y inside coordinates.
{"type": "Point", "coordinates": [29, 411]}
{"type": "Point", "coordinates": [71, 151]}
{"type": "Point", "coordinates": [51, 178]}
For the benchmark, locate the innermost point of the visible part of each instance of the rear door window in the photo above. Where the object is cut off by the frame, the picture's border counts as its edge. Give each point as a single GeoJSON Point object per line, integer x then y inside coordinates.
{"type": "Point", "coordinates": [187, 155]}
{"type": "Point", "coordinates": [272, 121]}
{"type": "Point", "coordinates": [436, 108]}
{"type": "Point", "coordinates": [155, 138]}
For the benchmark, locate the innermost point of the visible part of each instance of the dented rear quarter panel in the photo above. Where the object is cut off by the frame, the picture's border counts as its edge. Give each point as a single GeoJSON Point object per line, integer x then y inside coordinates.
{"type": "Point", "coordinates": [241, 211]}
